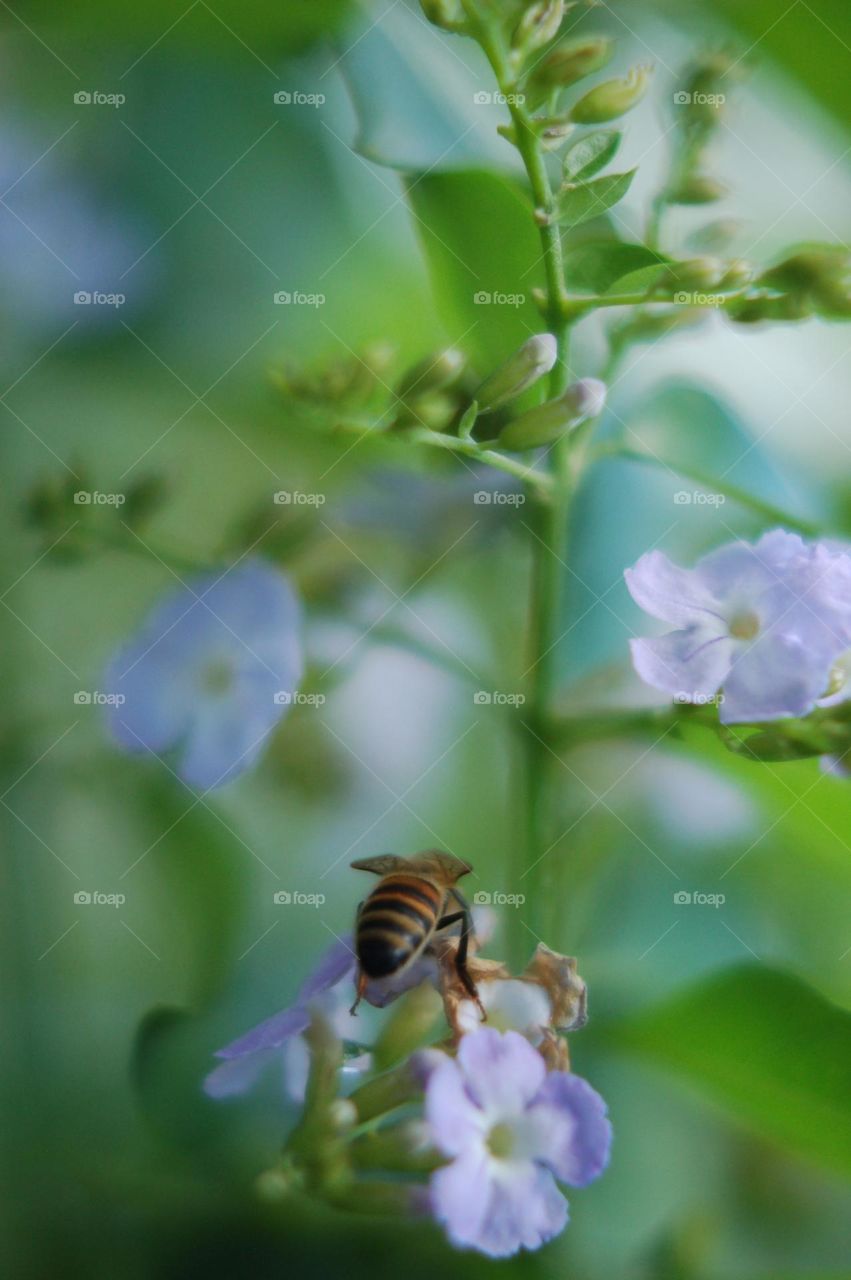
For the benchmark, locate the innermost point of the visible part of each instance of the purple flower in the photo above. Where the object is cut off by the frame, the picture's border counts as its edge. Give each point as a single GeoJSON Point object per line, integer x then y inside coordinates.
{"type": "Point", "coordinates": [210, 673]}
{"type": "Point", "coordinates": [510, 1129]}
{"type": "Point", "coordinates": [329, 990]}
{"type": "Point", "coordinates": [765, 623]}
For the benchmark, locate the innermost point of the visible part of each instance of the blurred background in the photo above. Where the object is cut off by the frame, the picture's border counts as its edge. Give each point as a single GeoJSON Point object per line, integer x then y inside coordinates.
{"type": "Point", "coordinates": [156, 197]}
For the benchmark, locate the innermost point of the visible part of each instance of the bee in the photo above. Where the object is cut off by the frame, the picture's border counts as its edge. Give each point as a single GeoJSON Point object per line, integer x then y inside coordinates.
{"type": "Point", "coordinates": [408, 906]}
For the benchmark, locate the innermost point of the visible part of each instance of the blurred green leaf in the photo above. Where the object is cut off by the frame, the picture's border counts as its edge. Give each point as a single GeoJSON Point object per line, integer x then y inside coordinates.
{"type": "Point", "coordinates": [640, 281]}
{"type": "Point", "coordinates": [580, 201]}
{"type": "Point", "coordinates": [596, 266]}
{"type": "Point", "coordinates": [481, 246]}
{"type": "Point", "coordinates": [228, 27]}
{"type": "Point", "coordinates": [769, 1049]}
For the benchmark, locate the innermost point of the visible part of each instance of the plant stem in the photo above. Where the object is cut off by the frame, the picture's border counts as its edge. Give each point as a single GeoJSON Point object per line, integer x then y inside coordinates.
{"type": "Point", "coordinates": [549, 539]}
{"type": "Point", "coordinates": [538, 480]}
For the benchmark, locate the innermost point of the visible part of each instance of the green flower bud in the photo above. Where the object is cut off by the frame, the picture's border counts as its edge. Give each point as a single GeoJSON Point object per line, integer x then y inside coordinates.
{"type": "Point", "coordinates": [738, 274]}
{"type": "Point", "coordinates": [753, 310]}
{"type": "Point", "coordinates": [447, 14]}
{"type": "Point", "coordinates": [529, 363]}
{"type": "Point", "coordinates": [696, 189]}
{"type": "Point", "coordinates": [714, 236]}
{"type": "Point", "coordinates": [611, 99]}
{"type": "Point", "coordinates": [546, 423]}
{"type": "Point", "coordinates": [538, 26]}
{"type": "Point", "coordinates": [568, 62]}
{"type": "Point", "coordinates": [820, 273]}
{"type": "Point", "coordinates": [694, 273]}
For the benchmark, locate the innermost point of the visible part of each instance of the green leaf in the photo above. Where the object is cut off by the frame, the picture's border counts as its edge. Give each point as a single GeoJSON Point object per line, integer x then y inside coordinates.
{"type": "Point", "coordinates": [594, 267]}
{"type": "Point", "coordinates": [579, 201]}
{"type": "Point", "coordinates": [590, 154]}
{"type": "Point", "coordinates": [639, 281]}
{"type": "Point", "coordinates": [771, 1050]}
{"type": "Point", "coordinates": [482, 249]}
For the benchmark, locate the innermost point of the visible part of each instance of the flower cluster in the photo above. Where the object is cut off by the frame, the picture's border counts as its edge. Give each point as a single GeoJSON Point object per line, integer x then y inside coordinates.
{"type": "Point", "coordinates": [502, 1117]}
{"type": "Point", "coordinates": [767, 626]}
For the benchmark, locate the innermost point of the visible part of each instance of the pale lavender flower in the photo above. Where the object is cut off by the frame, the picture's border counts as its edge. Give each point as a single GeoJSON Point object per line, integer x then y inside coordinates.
{"type": "Point", "coordinates": [763, 623]}
{"type": "Point", "coordinates": [510, 1129]}
{"type": "Point", "coordinates": [210, 673]}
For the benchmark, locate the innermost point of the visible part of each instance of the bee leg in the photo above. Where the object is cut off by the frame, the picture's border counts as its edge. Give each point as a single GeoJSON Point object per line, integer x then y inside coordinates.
{"type": "Point", "coordinates": [461, 956]}
{"type": "Point", "coordinates": [360, 991]}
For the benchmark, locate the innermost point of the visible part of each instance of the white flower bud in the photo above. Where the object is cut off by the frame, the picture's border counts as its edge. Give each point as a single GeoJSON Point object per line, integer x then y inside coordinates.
{"type": "Point", "coordinates": [528, 363]}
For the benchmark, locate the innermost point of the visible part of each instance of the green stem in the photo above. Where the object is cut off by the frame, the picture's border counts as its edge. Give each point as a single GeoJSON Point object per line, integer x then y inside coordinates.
{"type": "Point", "coordinates": [538, 480]}
{"type": "Point", "coordinates": [549, 539]}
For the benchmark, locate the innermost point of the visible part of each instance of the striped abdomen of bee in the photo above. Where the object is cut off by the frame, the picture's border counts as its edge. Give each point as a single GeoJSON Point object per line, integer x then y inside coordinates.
{"type": "Point", "coordinates": [395, 922]}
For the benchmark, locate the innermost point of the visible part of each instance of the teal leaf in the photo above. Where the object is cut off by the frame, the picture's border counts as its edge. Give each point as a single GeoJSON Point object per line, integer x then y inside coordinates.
{"type": "Point", "coordinates": [590, 154]}
{"type": "Point", "coordinates": [768, 1048]}
{"type": "Point", "coordinates": [579, 201]}
{"type": "Point", "coordinates": [423, 101]}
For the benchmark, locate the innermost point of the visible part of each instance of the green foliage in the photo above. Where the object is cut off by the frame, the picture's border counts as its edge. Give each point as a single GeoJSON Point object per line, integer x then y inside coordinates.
{"type": "Point", "coordinates": [474, 256]}
{"type": "Point", "coordinates": [768, 1048]}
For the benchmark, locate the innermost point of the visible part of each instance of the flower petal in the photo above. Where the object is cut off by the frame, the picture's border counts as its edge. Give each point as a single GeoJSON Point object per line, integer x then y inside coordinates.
{"type": "Point", "coordinates": [269, 1034]}
{"type": "Point", "coordinates": [335, 964]}
{"type": "Point", "coordinates": [690, 665]}
{"type": "Point", "coordinates": [502, 1072]}
{"type": "Point", "coordinates": [775, 677]}
{"type": "Point", "coordinates": [454, 1119]}
{"type": "Point", "coordinates": [228, 731]}
{"type": "Point", "coordinates": [573, 1129]}
{"type": "Point", "coordinates": [497, 1207]}
{"type": "Point", "coordinates": [237, 1075]}
{"type": "Point", "coordinates": [675, 595]}
{"type": "Point", "coordinates": [511, 1005]}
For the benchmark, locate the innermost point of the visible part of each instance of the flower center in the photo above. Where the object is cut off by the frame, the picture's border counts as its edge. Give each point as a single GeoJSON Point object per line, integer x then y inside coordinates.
{"type": "Point", "coordinates": [217, 676]}
{"type": "Point", "coordinates": [744, 625]}
{"type": "Point", "coordinates": [501, 1141]}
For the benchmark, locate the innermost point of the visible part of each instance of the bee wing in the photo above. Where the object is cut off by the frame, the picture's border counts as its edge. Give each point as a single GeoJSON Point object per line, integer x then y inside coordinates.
{"type": "Point", "coordinates": [382, 864]}
{"type": "Point", "coordinates": [447, 867]}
